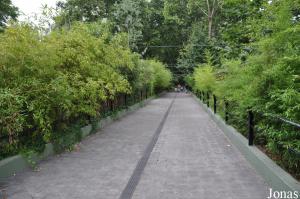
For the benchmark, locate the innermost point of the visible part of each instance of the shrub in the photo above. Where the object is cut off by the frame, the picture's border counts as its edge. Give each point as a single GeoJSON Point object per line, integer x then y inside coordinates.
{"type": "Point", "coordinates": [50, 83]}
{"type": "Point", "coordinates": [204, 78]}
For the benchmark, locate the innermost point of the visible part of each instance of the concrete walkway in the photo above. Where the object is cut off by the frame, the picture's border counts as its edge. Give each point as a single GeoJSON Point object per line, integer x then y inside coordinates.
{"type": "Point", "coordinates": [168, 149]}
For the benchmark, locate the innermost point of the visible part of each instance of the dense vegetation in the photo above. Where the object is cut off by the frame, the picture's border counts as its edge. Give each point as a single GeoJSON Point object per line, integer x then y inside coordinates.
{"type": "Point", "coordinates": [49, 83]}
{"type": "Point", "coordinates": [58, 74]}
{"type": "Point", "coordinates": [259, 68]}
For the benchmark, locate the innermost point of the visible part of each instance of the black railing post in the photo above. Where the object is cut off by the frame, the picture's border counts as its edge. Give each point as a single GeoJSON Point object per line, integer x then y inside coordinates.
{"type": "Point", "coordinates": [207, 100]}
{"type": "Point", "coordinates": [226, 111]}
{"type": "Point", "coordinates": [106, 106]}
{"type": "Point", "coordinates": [121, 103]}
{"type": "Point", "coordinates": [134, 98]}
{"type": "Point", "coordinates": [201, 97]}
{"type": "Point", "coordinates": [125, 99]}
{"type": "Point", "coordinates": [146, 93]}
{"type": "Point", "coordinates": [103, 109]}
{"type": "Point", "coordinates": [215, 104]}
{"type": "Point", "coordinates": [141, 95]}
{"type": "Point", "coordinates": [111, 105]}
{"type": "Point", "coordinates": [250, 127]}
{"type": "Point", "coordinates": [3, 194]}
{"type": "Point", "coordinates": [117, 102]}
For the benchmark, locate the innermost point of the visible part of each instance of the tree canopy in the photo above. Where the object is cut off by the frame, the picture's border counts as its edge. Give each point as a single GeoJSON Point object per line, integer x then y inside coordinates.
{"type": "Point", "coordinates": [244, 52]}
{"type": "Point", "coordinates": [256, 66]}
{"type": "Point", "coordinates": [7, 11]}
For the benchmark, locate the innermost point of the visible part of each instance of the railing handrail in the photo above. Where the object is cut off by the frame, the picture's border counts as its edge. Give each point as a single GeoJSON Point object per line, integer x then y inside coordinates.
{"type": "Point", "coordinates": [280, 118]}
{"type": "Point", "coordinates": [251, 120]}
{"type": "Point", "coordinates": [274, 116]}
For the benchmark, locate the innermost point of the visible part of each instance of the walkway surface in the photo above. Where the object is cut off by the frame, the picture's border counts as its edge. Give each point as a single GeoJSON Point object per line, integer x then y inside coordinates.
{"type": "Point", "coordinates": [169, 149]}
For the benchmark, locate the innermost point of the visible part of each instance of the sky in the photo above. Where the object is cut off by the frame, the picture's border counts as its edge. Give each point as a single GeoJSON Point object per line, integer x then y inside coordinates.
{"type": "Point", "coordinates": [30, 7]}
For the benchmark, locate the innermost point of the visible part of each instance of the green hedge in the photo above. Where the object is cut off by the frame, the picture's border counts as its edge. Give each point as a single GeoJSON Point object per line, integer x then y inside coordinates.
{"type": "Point", "coordinates": [50, 83]}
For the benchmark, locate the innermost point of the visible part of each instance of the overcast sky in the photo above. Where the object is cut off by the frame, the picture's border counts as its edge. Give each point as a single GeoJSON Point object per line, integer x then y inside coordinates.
{"type": "Point", "coordinates": [29, 7]}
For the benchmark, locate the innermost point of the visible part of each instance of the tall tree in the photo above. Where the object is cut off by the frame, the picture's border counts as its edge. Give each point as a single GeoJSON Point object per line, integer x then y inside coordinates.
{"type": "Point", "coordinates": [84, 10]}
{"type": "Point", "coordinates": [209, 8]}
{"type": "Point", "coordinates": [237, 26]}
{"type": "Point", "coordinates": [7, 11]}
{"type": "Point", "coordinates": [128, 16]}
{"type": "Point", "coordinates": [193, 52]}
{"type": "Point", "coordinates": [175, 30]}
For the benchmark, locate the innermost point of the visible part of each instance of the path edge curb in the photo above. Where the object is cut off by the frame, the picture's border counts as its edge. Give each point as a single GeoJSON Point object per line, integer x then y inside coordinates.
{"type": "Point", "coordinates": [274, 175]}
{"type": "Point", "coordinates": [15, 164]}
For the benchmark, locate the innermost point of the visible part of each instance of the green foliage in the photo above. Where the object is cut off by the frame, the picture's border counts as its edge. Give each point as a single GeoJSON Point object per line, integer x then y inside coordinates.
{"type": "Point", "coordinates": [12, 120]}
{"type": "Point", "coordinates": [81, 10]}
{"type": "Point", "coordinates": [236, 28]}
{"type": "Point", "coordinates": [7, 11]}
{"type": "Point", "coordinates": [146, 23]}
{"type": "Point", "coordinates": [189, 80]}
{"type": "Point", "coordinates": [267, 80]}
{"type": "Point", "coordinates": [275, 17]}
{"type": "Point", "coordinates": [204, 78]}
{"type": "Point", "coordinates": [144, 75]}
{"type": "Point", "coordinates": [162, 76]}
{"type": "Point", "coordinates": [49, 83]}
{"type": "Point", "coordinates": [65, 139]}
{"type": "Point", "coordinates": [193, 52]}
{"type": "Point", "coordinates": [128, 17]}
{"type": "Point", "coordinates": [176, 11]}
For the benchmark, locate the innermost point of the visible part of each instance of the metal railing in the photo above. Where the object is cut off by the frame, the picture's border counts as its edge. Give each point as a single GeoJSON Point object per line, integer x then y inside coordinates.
{"type": "Point", "coordinates": [3, 194]}
{"type": "Point", "coordinates": [251, 116]}
{"type": "Point", "coordinates": [106, 108]}
{"type": "Point", "coordinates": [122, 101]}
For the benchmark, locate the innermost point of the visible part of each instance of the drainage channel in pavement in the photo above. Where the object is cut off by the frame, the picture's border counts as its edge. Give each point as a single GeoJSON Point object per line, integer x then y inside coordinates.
{"type": "Point", "coordinates": [127, 193]}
